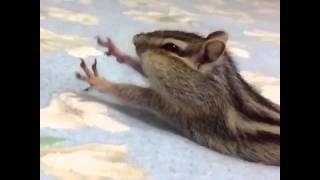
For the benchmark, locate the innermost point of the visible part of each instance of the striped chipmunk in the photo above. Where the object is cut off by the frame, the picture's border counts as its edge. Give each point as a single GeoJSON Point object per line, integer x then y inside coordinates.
{"type": "Point", "coordinates": [196, 87]}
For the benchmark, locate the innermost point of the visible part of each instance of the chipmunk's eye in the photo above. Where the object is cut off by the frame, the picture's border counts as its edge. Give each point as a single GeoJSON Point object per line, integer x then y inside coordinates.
{"type": "Point", "coordinates": [170, 47]}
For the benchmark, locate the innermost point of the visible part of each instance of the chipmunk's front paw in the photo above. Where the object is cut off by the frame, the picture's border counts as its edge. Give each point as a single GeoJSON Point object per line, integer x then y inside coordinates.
{"type": "Point", "coordinates": [112, 49]}
{"type": "Point", "coordinates": [92, 78]}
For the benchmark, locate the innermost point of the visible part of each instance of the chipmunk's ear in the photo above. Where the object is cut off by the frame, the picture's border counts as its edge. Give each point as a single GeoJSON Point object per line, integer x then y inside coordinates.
{"type": "Point", "coordinates": [218, 35]}
{"type": "Point", "coordinates": [214, 46]}
{"type": "Point", "coordinates": [212, 50]}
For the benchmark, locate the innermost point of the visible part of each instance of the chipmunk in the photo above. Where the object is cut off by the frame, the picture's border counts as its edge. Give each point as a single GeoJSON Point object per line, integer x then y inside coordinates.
{"type": "Point", "coordinates": [196, 86]}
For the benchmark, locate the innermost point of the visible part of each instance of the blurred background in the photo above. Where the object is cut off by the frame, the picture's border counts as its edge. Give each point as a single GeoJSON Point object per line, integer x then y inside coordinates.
{"type": "Point", "coordinates": [88, 136]}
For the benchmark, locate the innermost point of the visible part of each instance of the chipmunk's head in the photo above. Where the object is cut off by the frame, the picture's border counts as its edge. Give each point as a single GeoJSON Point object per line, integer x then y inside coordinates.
{"type": "Point", "coordinates": [199, 53]}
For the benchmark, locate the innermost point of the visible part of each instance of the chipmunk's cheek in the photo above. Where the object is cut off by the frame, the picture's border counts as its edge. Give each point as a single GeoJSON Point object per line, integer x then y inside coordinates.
{"type": "Point", "coordinates": [152, 61]}
{"type": "Point", "coordinates": [144, 55]}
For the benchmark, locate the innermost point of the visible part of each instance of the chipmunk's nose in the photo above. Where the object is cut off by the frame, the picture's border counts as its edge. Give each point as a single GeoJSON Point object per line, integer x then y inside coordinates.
{"type": "Point", "coordinates": [137, 38]}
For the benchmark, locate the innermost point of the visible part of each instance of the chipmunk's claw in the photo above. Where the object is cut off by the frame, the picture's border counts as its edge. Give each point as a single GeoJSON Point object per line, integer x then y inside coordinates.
{"type": "Point", "coordinates": [108, 53]}
{"type": "Point", "coordinates": [106, 43]}
{"type": "Point", "coordinates": [100, 41]}
{"type": "Point", "coordinates": [87, 89]}
{"type": "Point", "coordinates": [78, 76]}
{"type": "Point", "coordinates": [112, 49]}
{"type": "Point", "coordinates": [85, 68]}
{"type": "Point", "coordinates": [94, 68]}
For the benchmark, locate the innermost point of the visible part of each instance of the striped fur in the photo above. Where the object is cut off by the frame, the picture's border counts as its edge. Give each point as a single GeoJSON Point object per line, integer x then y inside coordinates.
{"type": "Point", "coordinates": [198, 90]}
{"type": "Point", "coordinates": [218, 108]}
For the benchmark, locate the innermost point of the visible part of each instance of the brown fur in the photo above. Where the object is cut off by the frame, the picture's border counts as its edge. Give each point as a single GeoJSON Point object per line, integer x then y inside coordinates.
{"type": "Point", "coordinates": [217, 109]}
